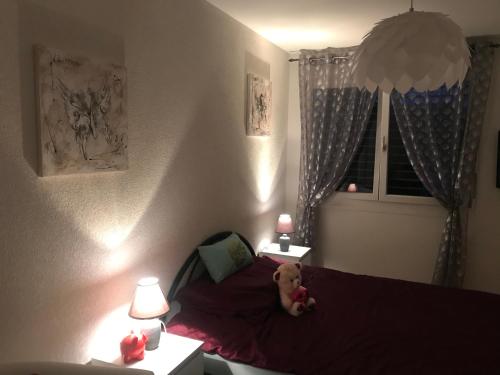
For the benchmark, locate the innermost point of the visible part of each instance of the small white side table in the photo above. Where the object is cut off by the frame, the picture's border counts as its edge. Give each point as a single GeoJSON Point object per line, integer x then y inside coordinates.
{"type": "Point", "coordinates": [176, 355]}
{"type": "Point", "coordinates": [294, 254]}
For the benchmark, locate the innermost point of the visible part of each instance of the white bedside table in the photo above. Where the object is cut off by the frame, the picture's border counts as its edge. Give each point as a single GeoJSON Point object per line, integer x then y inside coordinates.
{"type": "Point", "coordinates": [294, 254]}
{"type": "Point", "coordinates": [176, 355]}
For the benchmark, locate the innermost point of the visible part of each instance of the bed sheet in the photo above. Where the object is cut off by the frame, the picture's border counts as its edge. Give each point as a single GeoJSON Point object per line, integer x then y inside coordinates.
{"type": "Point", "coordinates": [362, 324]}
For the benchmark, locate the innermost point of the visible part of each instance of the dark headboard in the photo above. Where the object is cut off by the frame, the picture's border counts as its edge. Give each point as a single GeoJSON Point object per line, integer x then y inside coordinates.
{"type": "Point", "coordinates": [193, 267]}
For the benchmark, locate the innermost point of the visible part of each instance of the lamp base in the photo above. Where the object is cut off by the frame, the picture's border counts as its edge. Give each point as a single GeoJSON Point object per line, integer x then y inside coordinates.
{"type": "Point", "coordinates": [284, 243]}
{"type": "Point", "coordinates": [152, 329]}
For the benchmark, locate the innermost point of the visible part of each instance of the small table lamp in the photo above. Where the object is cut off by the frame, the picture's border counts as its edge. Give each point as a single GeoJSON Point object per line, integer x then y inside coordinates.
{"type": "Point", "coordinates": [284, 227]}
{"type": "Point", "coordinates": [149, 304]}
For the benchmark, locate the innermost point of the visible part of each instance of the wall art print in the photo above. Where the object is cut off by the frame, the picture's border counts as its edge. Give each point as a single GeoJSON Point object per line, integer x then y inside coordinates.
{"type": "Point", "coordinates": [258, 105]}
{"type": "Point", "coordinates": [82, 114]}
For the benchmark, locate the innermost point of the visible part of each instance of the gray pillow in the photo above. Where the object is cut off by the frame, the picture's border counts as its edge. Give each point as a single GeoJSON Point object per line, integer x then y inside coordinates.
{"type": "Point", "coordinates": [225, 257]}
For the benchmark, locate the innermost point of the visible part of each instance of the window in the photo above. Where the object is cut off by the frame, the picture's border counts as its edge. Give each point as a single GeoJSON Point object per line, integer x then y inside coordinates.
{"type": "Point", "coordinates": [381, 169]}
{"type": "Point", "coordinates": [362, 167]}
{"type": "Point", "coordinates": [401, 178]}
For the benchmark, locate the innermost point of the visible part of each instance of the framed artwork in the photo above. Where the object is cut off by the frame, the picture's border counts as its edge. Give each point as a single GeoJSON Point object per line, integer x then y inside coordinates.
{"type": "Point", "coordinates": [82, 114]}
{"type": "Point", "coordinates": [258, 106]}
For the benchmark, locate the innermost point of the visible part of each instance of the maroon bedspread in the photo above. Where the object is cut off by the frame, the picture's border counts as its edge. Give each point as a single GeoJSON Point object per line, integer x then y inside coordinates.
{"type": "Point", "coordinates": [362, 325]}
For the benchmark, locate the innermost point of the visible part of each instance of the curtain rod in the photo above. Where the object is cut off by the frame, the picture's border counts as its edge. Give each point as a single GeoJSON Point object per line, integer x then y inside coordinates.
{"type": "Point", "coordinates": [311, 59]}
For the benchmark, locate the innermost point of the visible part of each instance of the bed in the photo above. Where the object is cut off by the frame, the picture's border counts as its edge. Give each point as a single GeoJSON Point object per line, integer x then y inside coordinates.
{"type": "Point", "coordinates": [362, 324]}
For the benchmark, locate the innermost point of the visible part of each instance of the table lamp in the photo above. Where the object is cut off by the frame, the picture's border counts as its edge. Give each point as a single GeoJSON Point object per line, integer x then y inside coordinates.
{"type": "Point", "coordinates": [148, 305]}
{"type": "Point", "coordinates": [284, 227]}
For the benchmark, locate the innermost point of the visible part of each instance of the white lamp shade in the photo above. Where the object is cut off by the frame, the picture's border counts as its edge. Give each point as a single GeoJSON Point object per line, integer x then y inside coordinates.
{"type": "Point", "coordinates": [285, 224]}
{"type": "Point", "coordinates": [420, 50]}
{"type": "Point", "coordinates": [149, 301]}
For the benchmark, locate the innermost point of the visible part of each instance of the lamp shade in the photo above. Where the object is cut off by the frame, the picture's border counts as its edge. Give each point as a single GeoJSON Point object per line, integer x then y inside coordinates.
{"type": "Point", "coordinates": [285, 224]}
{"type": "Point", "coordinates": [420, 50]}
{"type": "Point", "coordinates": [149, 301]}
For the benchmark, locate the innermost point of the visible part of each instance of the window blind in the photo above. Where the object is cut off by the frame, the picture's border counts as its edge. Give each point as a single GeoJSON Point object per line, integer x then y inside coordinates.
{"type": "Point", "coordinates": [401, 177]}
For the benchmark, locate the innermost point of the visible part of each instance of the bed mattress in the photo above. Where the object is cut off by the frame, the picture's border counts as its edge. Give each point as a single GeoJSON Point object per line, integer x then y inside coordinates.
{"type": "Point", "coordinates": [362, 324]}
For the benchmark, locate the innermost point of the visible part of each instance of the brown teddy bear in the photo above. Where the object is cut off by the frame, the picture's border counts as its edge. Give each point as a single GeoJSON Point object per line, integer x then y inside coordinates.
{"type": "Point", "coordinates": [294, 297]}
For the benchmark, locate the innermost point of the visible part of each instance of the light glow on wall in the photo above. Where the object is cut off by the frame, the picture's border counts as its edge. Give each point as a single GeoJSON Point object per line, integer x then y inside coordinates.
{"type": "Point", "coordinates": [263, 244]}
{"type": "Point", "coordinates": [109, 331]}
{"type": "Point", "coordinates": [296, 36]}
{"type": "Point", "coordinates": [264, 177]}
{"type": "Point", "coordinates": [114, 237]}
{"type": "Point", "coordinates": [120, 255]}
{"type": "Point", "coordinates": [265, 156]}
{"type": "Point", "coordinates": [118, 260]}
{"type": "Point", "coordinates": [265, 168]}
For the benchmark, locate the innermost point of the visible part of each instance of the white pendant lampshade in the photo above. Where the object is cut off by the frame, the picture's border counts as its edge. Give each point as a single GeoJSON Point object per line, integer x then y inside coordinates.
{"type": "Point", "coordinates": [420, 50]}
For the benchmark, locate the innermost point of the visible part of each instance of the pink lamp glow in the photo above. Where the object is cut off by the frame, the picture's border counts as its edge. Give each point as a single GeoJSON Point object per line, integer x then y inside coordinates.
{"type": "Point", "coordinates": [285, 224]}
{"type": "Point", "coordinates": [352, 188]}
{"type": "Point", "coordinates": [285, 227]}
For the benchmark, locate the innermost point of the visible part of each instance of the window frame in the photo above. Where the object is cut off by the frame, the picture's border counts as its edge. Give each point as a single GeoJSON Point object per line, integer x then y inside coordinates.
{"type": "Point", "coordinates": [380, 165]}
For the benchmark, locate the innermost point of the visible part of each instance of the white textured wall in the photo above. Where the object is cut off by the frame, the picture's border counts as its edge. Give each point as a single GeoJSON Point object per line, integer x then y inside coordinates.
{"type": "Point", "coordinates": [293, 143]}
{"type": "Point", "coordinates": [72, 247]}
{"type": "Point", "coordinates": [401, 240]}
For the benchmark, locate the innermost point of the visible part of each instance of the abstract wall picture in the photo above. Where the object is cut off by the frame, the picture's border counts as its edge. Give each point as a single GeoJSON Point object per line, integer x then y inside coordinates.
{"type": "Point", "coordinates": [82, 114]}
{"type": "Point", "coordinates": [258, 106]}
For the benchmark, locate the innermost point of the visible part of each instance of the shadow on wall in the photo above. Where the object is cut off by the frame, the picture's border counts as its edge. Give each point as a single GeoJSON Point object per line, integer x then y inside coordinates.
{"type": "Point", "coordinates": [38, 24]}
{"type": "Point", "coordinates": [265, 154]}
{"type": "Point", "coordinates": [215, 171]}
{"type": "Point", "coordinates": [75, 280]}
{"type": "Point", "coordinates": [82, 241]}
{"type": "Point", "coordinates": [56, 284]}
{"type": "Point", "coordinates": [70, 282]}
{"type": "Point", "coordinates": [71, 275]}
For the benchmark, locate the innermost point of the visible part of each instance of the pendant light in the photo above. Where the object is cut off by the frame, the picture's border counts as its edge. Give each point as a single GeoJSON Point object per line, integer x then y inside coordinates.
{"type": "Point", "coordinates": [421, 50]}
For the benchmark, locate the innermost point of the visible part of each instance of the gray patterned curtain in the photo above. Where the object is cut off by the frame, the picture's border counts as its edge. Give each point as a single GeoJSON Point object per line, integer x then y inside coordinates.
{"type": "Point", "coordinates": [440, 131]}
{"type": "Point", "coordinates": [333, 120]}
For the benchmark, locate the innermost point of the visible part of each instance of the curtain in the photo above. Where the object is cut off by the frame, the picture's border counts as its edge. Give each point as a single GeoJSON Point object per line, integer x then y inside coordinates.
{"type": "Point", "coordinates": [333, 116]}
{"type": "Point", "coordinates": [440, 131]}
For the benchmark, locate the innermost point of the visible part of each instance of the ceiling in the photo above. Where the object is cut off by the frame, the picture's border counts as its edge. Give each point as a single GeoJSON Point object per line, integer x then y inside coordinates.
{"type": "Point", "coordinates": [297, 24]}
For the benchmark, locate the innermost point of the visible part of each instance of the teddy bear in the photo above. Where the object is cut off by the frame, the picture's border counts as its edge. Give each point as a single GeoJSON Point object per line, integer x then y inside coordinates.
{"type": "Point", "coordinates": [132, 347]}
{"type": "Point", "coordinates": [294, 297]}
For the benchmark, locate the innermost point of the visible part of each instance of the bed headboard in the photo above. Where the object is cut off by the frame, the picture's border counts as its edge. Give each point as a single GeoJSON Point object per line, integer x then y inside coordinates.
{"type": "Point", "coordinates": [193, 267]}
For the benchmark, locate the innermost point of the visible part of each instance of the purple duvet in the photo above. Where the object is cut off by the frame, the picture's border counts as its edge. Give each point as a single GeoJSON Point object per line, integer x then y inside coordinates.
{"type": "Point", "coordinates": [362, 325]}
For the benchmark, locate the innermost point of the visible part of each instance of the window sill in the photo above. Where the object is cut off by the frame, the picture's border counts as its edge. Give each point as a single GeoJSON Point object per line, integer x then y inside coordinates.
{"type": "Point", "coordinates": [402, 199]}
{"type": "Point", "coordinates": [406, 199]}
{"type": "Point", "coordinates": [344, 195]}
{"type": "Point", "coordinates": [393, 205]}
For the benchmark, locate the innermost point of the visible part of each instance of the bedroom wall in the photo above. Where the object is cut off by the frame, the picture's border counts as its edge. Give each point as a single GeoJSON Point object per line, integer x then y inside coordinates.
{"type": "Point", "coordinates": [73, 247]}
{"type": "Point", "coordinates": [401, 240]}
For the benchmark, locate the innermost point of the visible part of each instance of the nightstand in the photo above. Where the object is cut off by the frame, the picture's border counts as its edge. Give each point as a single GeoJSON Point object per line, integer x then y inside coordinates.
{"type": "Point", "coordinates": [176, 355]}
{"type": "Point", "coordinates": [294, 254]}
